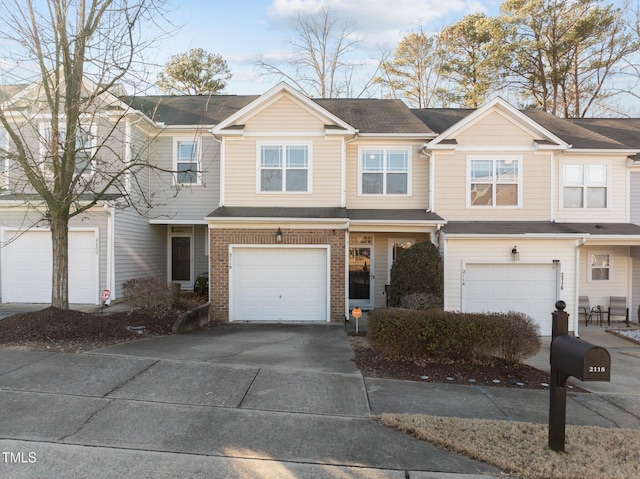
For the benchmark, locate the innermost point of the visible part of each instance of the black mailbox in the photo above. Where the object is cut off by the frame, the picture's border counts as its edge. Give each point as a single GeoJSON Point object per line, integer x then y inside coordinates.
{"type": "Point", "coordinates": [580, 359]}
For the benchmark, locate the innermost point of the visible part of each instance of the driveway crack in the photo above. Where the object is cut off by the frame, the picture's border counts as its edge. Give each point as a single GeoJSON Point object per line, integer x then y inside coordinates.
{"type": "Point", "coordinates": [249, 388]}
{"type": "Point", "coordinates": [87, 421]}
{"type": "Point", "coordinates": [128, 380]}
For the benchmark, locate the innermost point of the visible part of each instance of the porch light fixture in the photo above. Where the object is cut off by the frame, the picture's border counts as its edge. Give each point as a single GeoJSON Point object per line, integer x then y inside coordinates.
{"type": "Point", "coordinates": [279, 236]}
{"type": "Point", "coordinates": [515, 254]}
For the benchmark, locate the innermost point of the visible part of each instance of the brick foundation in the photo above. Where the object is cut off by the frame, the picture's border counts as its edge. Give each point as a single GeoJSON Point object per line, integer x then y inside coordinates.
{"type": "Point", "coordinates": [220, 239]}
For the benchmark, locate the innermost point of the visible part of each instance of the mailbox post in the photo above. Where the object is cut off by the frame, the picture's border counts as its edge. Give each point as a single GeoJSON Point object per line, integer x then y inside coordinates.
{"type": "Point", "coordinates": [570, 357]}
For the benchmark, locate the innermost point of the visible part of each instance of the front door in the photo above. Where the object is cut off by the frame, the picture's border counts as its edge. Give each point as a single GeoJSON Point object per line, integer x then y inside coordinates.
{"type": "Point", "coordinates": [360, 273]}
{"type": "Point", "coordinates": [181, 256]}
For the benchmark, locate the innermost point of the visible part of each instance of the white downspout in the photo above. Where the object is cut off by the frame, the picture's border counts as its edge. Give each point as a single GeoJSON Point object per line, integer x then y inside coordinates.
{"type": "Point", "coordinates": [576, 299]}
{"type": "Point", "coordinates": [110, 274]}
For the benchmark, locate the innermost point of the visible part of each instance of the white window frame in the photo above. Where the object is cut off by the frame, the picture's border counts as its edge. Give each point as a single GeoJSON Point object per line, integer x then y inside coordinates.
{"type": "Point", "coordinates": [494, 182]}
{"type": "Point", "coordinates": [590, 267]}
{"type": "Point", "coordinates": [44, 131]}
{"type": "Point", "coordinates": [187, 139]}
{"type": "Point", "coordinates": [586, 185]}
{"type": "Point", "coordinates": [4, 158]}
{"type": "Point", "coordinates": [385, 169]}
{"type": "Point", "coordinates": [283, 146]}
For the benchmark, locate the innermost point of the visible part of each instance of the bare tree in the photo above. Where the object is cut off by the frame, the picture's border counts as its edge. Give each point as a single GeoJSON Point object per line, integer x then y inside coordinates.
{"type": "Point", "coordinates": [66, 141]}
{"type": "Point", "coordinates": [320, 63]}
{"type": "Point", "coordinates": [413, 72]}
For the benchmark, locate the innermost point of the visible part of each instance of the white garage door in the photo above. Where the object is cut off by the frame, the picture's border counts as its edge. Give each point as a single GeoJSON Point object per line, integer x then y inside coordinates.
{"type": "Point", "coordinates": [27, 268]}
{"type": "Point", "coordinates": [278, 284]}
{"type": "Point", "coordinates": [529, 289]}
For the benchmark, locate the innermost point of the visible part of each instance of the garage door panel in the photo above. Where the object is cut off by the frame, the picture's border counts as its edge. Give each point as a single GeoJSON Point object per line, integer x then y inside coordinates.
{"type": "Point", "coordinates": [27, 268]}
{"type": "Point", "coordinates": [279, 284]}
{"type": "Point", "coordinates": [530, 289]}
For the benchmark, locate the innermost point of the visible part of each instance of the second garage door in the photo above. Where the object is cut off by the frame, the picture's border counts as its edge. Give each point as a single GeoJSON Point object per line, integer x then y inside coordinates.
{"type": "Point", "coordinates": [278, 284]}
{"type": "Point", "coordinates": [27, 267]}
{"type": "Point", "coordinates": [531, 289]}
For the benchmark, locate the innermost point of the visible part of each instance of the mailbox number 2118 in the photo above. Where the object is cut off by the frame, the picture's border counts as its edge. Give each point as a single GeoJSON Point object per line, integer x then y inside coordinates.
{"type": "Point", "coordinates": [597, 369]}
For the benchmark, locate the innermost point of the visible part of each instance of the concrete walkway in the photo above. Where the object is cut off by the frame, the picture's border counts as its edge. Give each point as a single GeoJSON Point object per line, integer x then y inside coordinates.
{"type": "Point", "coordinates": [245, 401]}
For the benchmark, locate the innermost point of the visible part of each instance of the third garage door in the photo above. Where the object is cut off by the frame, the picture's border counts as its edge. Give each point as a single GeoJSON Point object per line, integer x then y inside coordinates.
{"type": "Point", "coordinates": [278, 284]}
{"type": "Point", "coordinates": [527, 288]}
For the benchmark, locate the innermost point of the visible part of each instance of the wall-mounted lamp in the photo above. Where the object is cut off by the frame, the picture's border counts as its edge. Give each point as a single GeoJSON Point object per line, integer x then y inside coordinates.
{"type": "Point", "coordinates": [515, 254]}
{"type": "Point", "coordinates": [279, 236]}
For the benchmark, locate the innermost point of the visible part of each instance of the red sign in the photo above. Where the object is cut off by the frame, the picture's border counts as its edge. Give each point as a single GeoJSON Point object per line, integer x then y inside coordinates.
{"type": "Point", "coordinates": [105, 295]}
{"type": "Point", "coordinates": [356, 312]}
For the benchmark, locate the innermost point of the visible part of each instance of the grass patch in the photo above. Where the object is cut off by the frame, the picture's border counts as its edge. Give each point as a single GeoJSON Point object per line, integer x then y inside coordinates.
{"type": "Point", "coordinates": [521, 448]}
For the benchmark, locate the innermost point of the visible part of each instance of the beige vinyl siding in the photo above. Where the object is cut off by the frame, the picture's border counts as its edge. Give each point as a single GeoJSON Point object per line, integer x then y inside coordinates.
{"type": "Point", "coordinates": [242, 174]}
{"type": "Point", "coordinates": [600, 291]}
{"type": "Point", "coordinates": [140, 249]}
{"type": "Point", "coordinates": [419, 177]}
{"type": "Point", "coordinates": [284, 115]}
{"type": "Point", "coordinates": [451, 184]}
{"type": "Point", "coordinates": [494, 250]}
{"type": "Point", "coordinates": [634, 197]}
{"type": "Point", "coordinates": [616, 210]}
{"type": "Point", "coordinates": [187, 203]}
{"type": "Point", "coordinates": [494, 130]}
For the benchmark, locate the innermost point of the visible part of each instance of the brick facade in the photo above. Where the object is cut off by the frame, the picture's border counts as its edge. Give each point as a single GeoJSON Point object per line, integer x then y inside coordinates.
{"type": "Point", "coordinates": [220, 239]}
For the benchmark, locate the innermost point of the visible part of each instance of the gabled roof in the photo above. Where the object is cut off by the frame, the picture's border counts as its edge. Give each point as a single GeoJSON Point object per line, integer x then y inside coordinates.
{"type": "Point", "coordinates": [608, 134]}
{"type": "Point", "coordinates": [189, 110]}
{"type": "Point", "coordinates": [8, 91]}
{"type": "Point", "coordinates": [263, 101]}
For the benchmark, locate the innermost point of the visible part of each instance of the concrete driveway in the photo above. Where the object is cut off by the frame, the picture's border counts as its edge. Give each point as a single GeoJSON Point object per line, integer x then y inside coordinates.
{"type": "Point", "coordinates": [243, 400]}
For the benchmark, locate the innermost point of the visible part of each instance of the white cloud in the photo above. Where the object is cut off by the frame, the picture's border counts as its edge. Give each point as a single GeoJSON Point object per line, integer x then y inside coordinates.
{"type": "Point", "coordinates": [382, 19]}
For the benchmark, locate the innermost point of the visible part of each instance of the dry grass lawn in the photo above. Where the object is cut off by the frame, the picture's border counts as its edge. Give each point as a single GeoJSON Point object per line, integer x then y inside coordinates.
{"type": "Point", "coordinates": [521, 449]}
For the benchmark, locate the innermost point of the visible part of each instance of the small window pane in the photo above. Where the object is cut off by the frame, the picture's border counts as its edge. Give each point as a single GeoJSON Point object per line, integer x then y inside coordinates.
{"type": "Point", "coordinates": [296, 180]}
{"type": "Point", "coordinates": [596, 197]}
{"type": "Point", "coordinates": [572, 197]}
{"type": "Point", "coordinates": [372, 160]}
{"type": "Point", "coordinates": [271, 180]}
{"type": "Point", "coordinates": [398, 161]}
{"type": "Point", "coordinates": [271, 156]}
{"type": "Point", "coordinates": [297, 157]}
{"type": "Point", "coordinates": [573, 175]}
{"type": "Point", "coordinates": [507, 171]}
{"type": "Point", "coordinates": [597, 175]}
{"type": "Point", "coordinates": [187, 173]}
{"type": "Point", "coordinates": [187, 150]}
{"type": "Point", "coordinates": [372, 183]}
{"type": "Point", "coordinates": [482, 195]}
{"type": "Point", "coordinates": [481, 171]}
{"type": "Point", "coordinates": [506, 195]}
{"type": "Point", "coordinates": [397, 184]}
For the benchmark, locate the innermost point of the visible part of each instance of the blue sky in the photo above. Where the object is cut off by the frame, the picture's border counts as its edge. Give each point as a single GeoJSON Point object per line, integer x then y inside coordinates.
{"type": "Point", "coordinates": [240, 30]}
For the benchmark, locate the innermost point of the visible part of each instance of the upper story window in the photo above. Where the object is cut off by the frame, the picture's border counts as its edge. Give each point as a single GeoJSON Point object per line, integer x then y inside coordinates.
{"type": "Point", "coordinates": [384, 171]}
{"type": "Point", "coordinates": [494, 181]}
{"type": "Point", "coordinates": [284, 167]}
{"type": "Point", "coordinates": [584, 186]}
{"type": "Point", "coordinates": [84, 148]}
{"type": "Point", "coordinates": [186, 160]}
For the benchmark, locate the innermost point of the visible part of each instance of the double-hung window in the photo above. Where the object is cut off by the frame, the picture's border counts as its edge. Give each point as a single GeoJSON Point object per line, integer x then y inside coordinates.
{"type": "Point", "coordinates": [283, 168]}
{"type": "Point", "coordinates": [494, 181]}
{"type": "Point", "coordinates": [83, 153]}
{"type": "Point", "coordinates": [600, 266]}
{"type": "Point", "coordinates": [384, 171]}
{"type": "Point", "coordinates": [186, 153]}
{"type": "Point", "coordinates": [584, 186]}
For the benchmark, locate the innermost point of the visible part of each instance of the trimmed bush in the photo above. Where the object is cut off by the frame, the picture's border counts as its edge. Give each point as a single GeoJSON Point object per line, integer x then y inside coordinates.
{"type": "Point", "coordinates": [518, 337]}
{"type": "Point", "coordinates": [421, 301]}
{"type": "Point", "coordinates": [404, 334]}
{"type": "Point", "coordinates": [418, 270]}
{"type": "Point", "coordinates": [148, 294]}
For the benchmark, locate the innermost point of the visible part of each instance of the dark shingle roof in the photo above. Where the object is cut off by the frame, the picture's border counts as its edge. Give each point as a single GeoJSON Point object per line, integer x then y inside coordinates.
{"type": "Point", "coordinates": [573, 132]}
{"type": "Point", "coordinates": [318, 213]}
{"type": "Point", "coordinates": [539, 227]}
{"type": "Point", "coordinates": [624, 130]}
{"type": "Point", "coordinates": [276, 212]}
{"type": "Point", "coordinates": [189, 110]}
{"type": "Point", "coordinates": [393, 215]}
{"type": "Point", "coordinates": [370, 115]}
